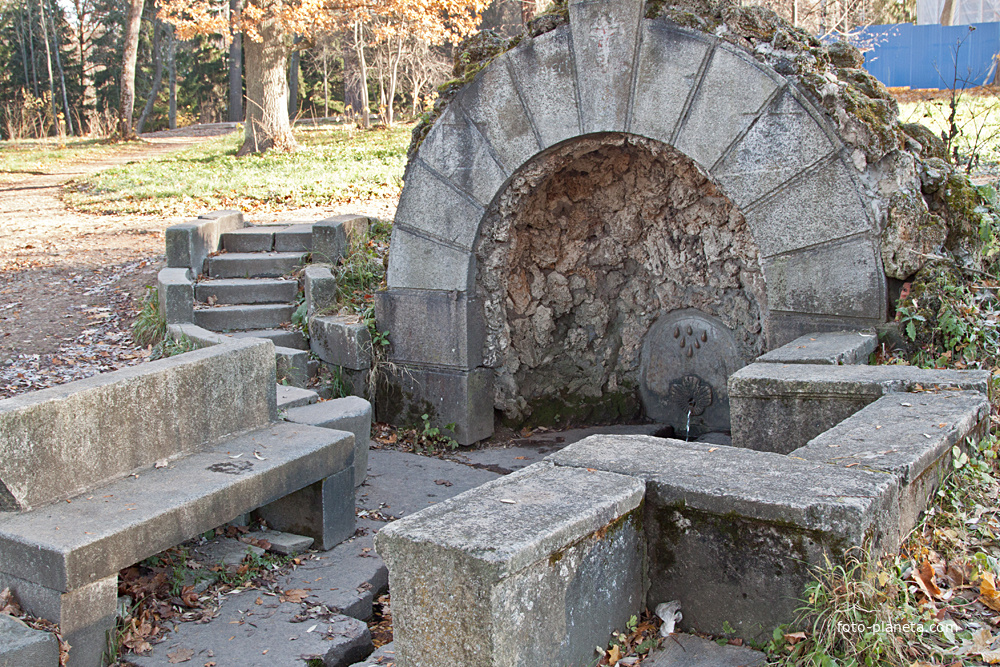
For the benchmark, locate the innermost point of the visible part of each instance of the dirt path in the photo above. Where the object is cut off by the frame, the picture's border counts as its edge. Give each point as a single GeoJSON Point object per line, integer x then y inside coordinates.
{"type": "Point", "coordinates": [68, 280]}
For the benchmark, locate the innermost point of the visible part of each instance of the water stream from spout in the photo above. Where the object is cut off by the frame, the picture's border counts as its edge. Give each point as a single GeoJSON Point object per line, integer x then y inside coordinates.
{"type": "Point", "coordinates": [687, 428]}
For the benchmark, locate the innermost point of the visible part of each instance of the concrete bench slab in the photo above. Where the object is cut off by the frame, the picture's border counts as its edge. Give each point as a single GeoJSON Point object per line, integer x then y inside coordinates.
{"type": "Point", "coordinates": [835, 348]}
{"type": "Point", "coordinates": [350, 413]}
{"type": "Point", "coordinates": [908, 435]}
{"type": "Point", "coordinates": [732, 532]}
{"type": "Point", "coordinates": [780, 407]}
{"type": "Point", "coordinates": [245, 290]}
{"type": "Point", "coordinates": [535, 568]}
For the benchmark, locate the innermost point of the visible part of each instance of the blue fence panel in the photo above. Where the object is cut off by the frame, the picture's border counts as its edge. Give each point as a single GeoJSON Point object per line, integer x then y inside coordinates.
{"type": "Point", "coordinates": [924, 56]}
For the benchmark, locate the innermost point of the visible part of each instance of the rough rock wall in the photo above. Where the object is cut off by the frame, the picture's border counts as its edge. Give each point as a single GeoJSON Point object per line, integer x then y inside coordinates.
{"type": "Point", "coordinates": [589, 244]}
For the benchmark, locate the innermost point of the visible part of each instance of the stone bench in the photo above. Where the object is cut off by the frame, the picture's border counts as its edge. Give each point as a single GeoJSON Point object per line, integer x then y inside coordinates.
{"type": "Point", "coordinates": [908, 435]}
{"type": "Point", "coordinates": [535, 568]}
{"type": "Point", "coordinates": [780, 407]}
{"type": "Point", "coordinates": [732, 533]}
{"type": "Point", "coordinates": [99, 474]}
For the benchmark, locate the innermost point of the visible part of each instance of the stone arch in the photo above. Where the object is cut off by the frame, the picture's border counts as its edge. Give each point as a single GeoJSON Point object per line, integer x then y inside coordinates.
{"type": "Point", "coordinates": [611, 70]}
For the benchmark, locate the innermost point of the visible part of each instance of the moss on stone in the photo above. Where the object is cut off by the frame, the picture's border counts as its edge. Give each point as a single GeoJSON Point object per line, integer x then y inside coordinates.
{"type": "Point", "coordinates": [567, 409]}
{"type": "Point", "coordinates": [930, 143]}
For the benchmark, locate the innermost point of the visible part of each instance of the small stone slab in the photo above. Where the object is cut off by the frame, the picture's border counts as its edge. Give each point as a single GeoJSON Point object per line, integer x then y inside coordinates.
{"type": "Point", "coordinates": [286, 544]}
{"type": "Point", "coordinates": [835, 348]}
{"type": "Point", "coordinates": [21, 645]}
{"type": "Point", "coordinates": [291, 365]}
{"type": "Point", "coordinates": [175, 291]}
{"type": "Point", "coordinates": [280, 337]}
{"type": "Point", "coordinates": [781, 407]}
{"type": "Point", "coordinates": [908, 435]}
{"type": "Point", "coordinates": [346, 579]}
{"type": "Point", "coordinates": [732, 533]}
{"type": "Point", "coordinates": [254, 629]}
{"type": "Point", "coordinates": [534, 568]}
{"type": "Point", "coordinates": [331, 237]}
{"type": "Point", "coordinates": [225, 550]}
{"type": "Point", "coordinates": [320, 288]}
{"type": "Point", "coordinates": [351, 413]}
{"type": "Point", "coordinates": [681, 650]}
{"type": "Point", "coordinates": [294, 397]}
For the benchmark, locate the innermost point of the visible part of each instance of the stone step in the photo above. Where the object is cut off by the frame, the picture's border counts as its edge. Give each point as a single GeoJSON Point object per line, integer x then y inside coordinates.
{"type": "Point", "coordinates": [242, 317]}
{"type": "Point", "coordinates": [249, 239]}
{"type": "Point", "coordinates": [21, 645]}
{"type": "Point", "coordinates": [295, 238]}
{"type": "Point", "coordinates": [281, 337]}
{"type": "Point", "coordinates": [247, 290]}
{"type": "Point", "coordinates": [294, 397]}
{"type": "Point", "coordinates": [255, 265]}
{"type": "Point", "coordinates": [292, 365]}
{"type": "Point", "coordinates": [681, 650]}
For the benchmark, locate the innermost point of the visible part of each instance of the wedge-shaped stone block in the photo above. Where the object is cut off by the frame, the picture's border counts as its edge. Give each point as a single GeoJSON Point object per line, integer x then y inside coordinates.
{"type": "Point", "coordinates": [332, 237]}
{"type": "Point", "coordinates": [455, 149]}
{"type": "Point", "coordinates": [430, 206]}
{"type": "Point", "coordinates": [462, 398]}
{"type": "Point", "coordinates": [535, 568]}
{"type": "Point", "coordinates": [842, 278]}
{"type": "Point", "coordinates": [292, 338]}
{"type": "Point", "coordinates": [908, 435]}
{"type": "Point", "coordinates": [716, 116]}
{"type": "Point", "coordinates": [834, 348]}
{"type": "Point", "coordinates": [783, 327]}
{"type": "Point", "coordinates": [432, 327]}
{"type": "Point", "coordinates": [418, 262]}
{"type": "Point", "coordinates": [779, 408]}
{"type": "Point", "coordinates": [341, 341]}
{"type": "Point", "coordinates": [783, 142]}
{"type": "Point", "coordinates": [816, 207]}
{"type": "Point", "coordinates": [350, 413]}
{"type": "Point", "coordinates": [175, 292]}
{"type": "Point", "coordinates": [543, 68]}
{"type": "Point", "coordinates": [605, 35]}
{"type": "Point", "coordinates": [194, 334]}
{"type": "Point", "coordinates": [493, 103]}
{"type": "Point", "coordinates": [732, 533]}
{"type": "Point", "coordinates": [670, 60]}
{"type": "Point", "coordinates": [294, 397]}
{"type": "Point", "coordinates": [58, 442]}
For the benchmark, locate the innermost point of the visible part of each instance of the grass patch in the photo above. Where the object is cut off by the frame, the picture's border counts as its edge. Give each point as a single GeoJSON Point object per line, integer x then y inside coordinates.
{"type": "Point", "coordinates": [28, 157]}
{"type": "Point", "coordinates": [332, 165]}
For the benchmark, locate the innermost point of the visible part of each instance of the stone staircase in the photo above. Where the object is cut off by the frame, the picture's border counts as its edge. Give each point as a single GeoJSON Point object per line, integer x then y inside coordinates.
{"type": "Point", "coordinates": [228, 280]}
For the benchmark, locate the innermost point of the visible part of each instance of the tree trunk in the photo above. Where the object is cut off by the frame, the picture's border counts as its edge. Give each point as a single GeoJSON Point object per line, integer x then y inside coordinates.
{"type": "Point", "coordinates": [127, 101]}
{"type": "Point", "coordinates": [359, 50]}
{"type": "Point", "coordinates": [172, 77]}
{"type": "Point", "coordinates": [236, 68]}
{"type": "Point", "coordinates": [24, 49]}
{"type": "Point", "coordinates": [157, 75]}
{"type": "Point", "coordinates": [48, 64]}
{"type": "Point", "coordinates": [267, 125]}
{"type": "Point", "coordinates": [31, 49]}
{"type": "Point", "coordinates": [293, 84]}
{"type": "Point", "coordinates": [326, 85]}
{"type": "Point", "coordinates": [62, 74]}
{"type": "Point", "coordinates": [394, 76]}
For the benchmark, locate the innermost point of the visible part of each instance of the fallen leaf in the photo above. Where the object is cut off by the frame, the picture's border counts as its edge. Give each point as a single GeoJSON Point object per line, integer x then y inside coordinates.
{"type": "Point", "coordinates": [924, 578]}
{"type": "Point", "coordinates": [442, 482]}
{"type": "Point", "coordinates": [508, 501]}
{"type": "Point", "coordinates": [180, 655]}
{"type": "Point", "coordinates": [614, 655]}
{"type": "Point", "coordinates": [294, 595]}
{"type": "Point", "coordinates": [988, 594]}
{"type": "Point", "coordinates": [795, 637]}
